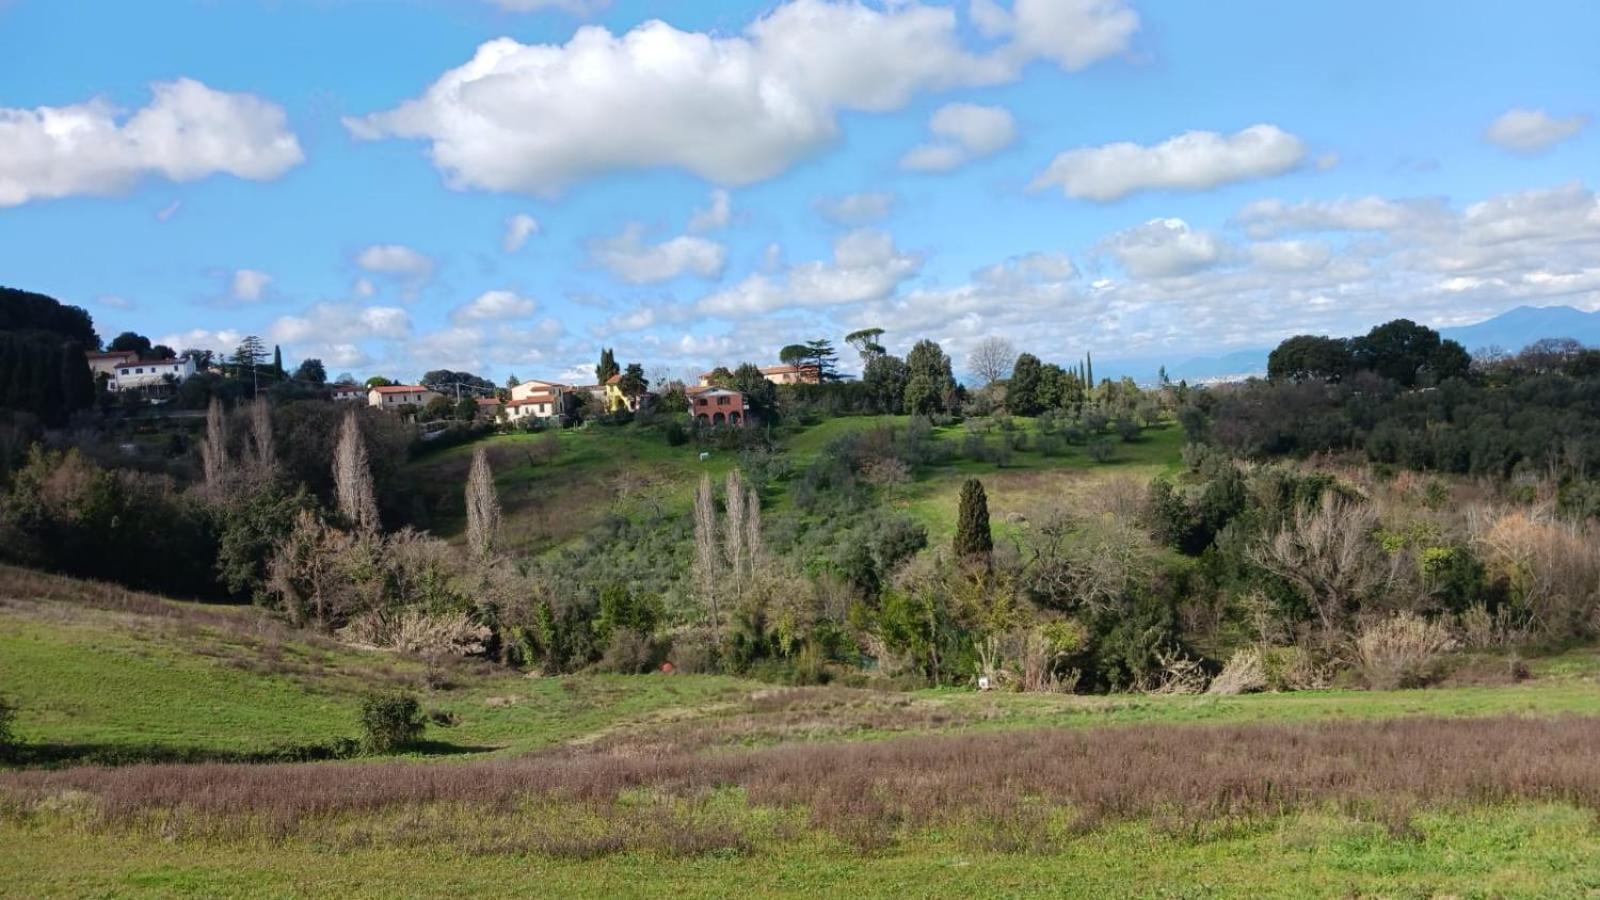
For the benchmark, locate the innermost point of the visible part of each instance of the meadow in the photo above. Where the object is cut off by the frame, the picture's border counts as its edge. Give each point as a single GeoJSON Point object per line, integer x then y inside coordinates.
{"type": "Point", "coordinates": [705, 785]}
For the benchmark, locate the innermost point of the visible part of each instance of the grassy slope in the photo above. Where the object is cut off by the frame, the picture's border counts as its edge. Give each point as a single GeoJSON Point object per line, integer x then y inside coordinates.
{"type": "Point", "coordinates": [602, 470]}
{"type": "Point", "coordinates": [160, 672]}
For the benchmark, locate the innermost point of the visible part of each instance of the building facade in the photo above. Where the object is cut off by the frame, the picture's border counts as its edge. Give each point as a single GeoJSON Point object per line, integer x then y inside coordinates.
{"type": "Point", "coordinates": [148, 373]}
{"type": "Point", "coordinates": [716, 406]}
{"type": "Point", "coordinates": [395, 396]}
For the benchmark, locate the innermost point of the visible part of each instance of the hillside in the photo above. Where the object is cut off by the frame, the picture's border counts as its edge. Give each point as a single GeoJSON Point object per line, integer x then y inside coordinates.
{"type": "Point", "coordinates": [557, 485]}
{"type": "Point", "coordinates": [208, 683]}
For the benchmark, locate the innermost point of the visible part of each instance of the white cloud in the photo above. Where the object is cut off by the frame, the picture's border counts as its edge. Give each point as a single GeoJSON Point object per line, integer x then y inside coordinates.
{"type": "Point", "coordinates": [114, 301]}
{"type": "Point", "coordinates": [1291, 256]}
{"type": "Point", "coordinates": [519, 228]}
{"type": "Point", "coordinates": [629, 258]}
{"type": "Point", "coordinates": [493, 306]}
{"type": "Point", "coordinates": [168, 211]}
{"type": "Point", "coordinates": [248, 285]}
{"type": "Point", "coordinates": [731, 109]}
{"type": "Point", "coordinates": [396, 261]}
{"type": "Point", "coordinates": [866, 266]}
{"type": "Point", "coordinates": [341, 323]}
{"type": "Point", "coordinates": [1192, 161]}
{"type": "Point", "coordinates": [1532, 130]}
{"type": "Point", "coordinates": [187, 132]}
{"type": "Point", "coordinates": [1266, 218]}
{"type": "Point", "coordinates": [716, 215]}
{"type": "Point", "coordinates": [963, 132]}
{"type": "Point", "coordinates": [223, 341]}
{"type": "Point", "coordinates": [1164, 248]}
{"type": "Point", "coordinates": [856, 209]}
{"type": "Point", "coordinates": [363, 288]}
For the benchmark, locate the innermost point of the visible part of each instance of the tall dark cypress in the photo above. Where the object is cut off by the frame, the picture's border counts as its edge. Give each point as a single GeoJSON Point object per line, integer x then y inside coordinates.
{"type": "Point", "coordinates": [1088, 361]}
{"type": "Point", "coordinates": [974, 542]}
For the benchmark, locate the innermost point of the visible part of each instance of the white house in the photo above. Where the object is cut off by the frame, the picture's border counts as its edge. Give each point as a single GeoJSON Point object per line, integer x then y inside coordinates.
{"type": "Point", "coordinates": [534, 405]}
{"type": "Point", "coordinates": [395, 396]}
{"type": "Point", "coordinates": [106, 363]}
{"type": "Point", "coordinates": [347, 393]}
{"type": "Point", "coordinates": [143, 373]}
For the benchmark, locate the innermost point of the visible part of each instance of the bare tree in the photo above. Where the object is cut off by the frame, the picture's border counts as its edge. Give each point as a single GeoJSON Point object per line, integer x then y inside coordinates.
{"type": "Point", "coordinates": [266, 455]}
{"type": "Point", "coordinates": [991, 359]}
{"type": "Point", "coordinates": [214, 449]}
{"type": "Point", "coordinates": [483, 506]}
{"type": "Point", "coordinates": [752, 527]}
{"type": "Point", "coordinates": [733, 531]}
{"type": "Point", "coordinates": [705, 545]}
{"type": "Point", "coordinates": [352, 477]}
{"type": "Point", "coordinates": [1329, 556]}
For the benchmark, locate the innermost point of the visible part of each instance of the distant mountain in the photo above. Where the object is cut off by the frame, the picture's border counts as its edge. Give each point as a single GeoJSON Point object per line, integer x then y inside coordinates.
{"type": "Point", "coordinates": [1522, 326]}
{"type": "Point", "coordinates": [1511, 331]}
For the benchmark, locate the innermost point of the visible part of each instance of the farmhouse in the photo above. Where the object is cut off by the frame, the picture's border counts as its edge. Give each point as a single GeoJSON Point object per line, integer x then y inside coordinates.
{"type": "Point", "coordinates": [106, 363]}
{"type": "Point", "coordinates": [395, 396]}
{"type": "Point", "coordinates": [716, 406]}
{"type": "Point", "coordinates": [792, 374]}
{"type": "Point", "coordinates": [777, 375]}
{"type": "Point", "coordinates": [138, 373]}
{"type": "Point", "coordinates": [348, 393]}
{"type": "Point", "coordinates": [534, 405]}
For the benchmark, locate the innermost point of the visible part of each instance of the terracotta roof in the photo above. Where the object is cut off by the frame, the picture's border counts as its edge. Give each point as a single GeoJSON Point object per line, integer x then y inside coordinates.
{"type": "Point", "coordinates": [400, 389]}
{"type": "Point", "coordinates": [781, 370]}
{"type": "Point", "coordinates": [615, 379]}
{"type": "Point", "coordinates": [488, 401]}
{"type": "Point", "coordinates": [171, 360]}
{"type": "Point", "coordinates": [531, 399]}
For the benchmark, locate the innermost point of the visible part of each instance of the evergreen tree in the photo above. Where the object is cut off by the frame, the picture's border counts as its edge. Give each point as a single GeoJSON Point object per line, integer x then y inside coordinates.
{"type": "Point", "coordinates": [277, 361]}
{"type": "Point", "coordinates": [1025, 391]}
{"type": "Point", "coordinates": [973, 538]}
{"type": "Point", "coordinates": [607, 366]}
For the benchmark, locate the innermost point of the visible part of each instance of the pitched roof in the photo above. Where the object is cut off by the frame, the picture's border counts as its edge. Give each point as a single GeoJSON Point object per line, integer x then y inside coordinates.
{"type": "Point", "coordinates": [615, 379]}
{"type": "Point", "coordinates": [402, 389]}
{"type": "Point", "coordinates": [784, 370]}
{"type": "Point", "coordinates": [532, 398]}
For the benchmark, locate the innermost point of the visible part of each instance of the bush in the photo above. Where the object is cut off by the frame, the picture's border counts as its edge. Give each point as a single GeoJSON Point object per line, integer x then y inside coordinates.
{"type": "Point", "coordinates": [629, 653]}
{"type": "Point", "coordinates": [1101, 450]}
{"type": "Point", "coordinates": [1245, 673]}
{"type": "Point", "coordinates": [8, 714]}
{"type": "Point", "coordinates": [391, 722]}
{"type": "Point", "coordinates": [1403, 651]}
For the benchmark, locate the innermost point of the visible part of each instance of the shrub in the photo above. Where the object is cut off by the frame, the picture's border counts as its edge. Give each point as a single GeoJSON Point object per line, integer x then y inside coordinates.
{"type": "Point", "coordinates": [1101, 450]}
{"type": "Point", "coordinates": [1127, 429]}
{"type": "Point", "coordinates": [8, 714]}
{"type": "Point", "coordinates": [391, 722]}
{"type": "Point", "coordinates": [1245, 673]}
{"type": "Point", "coordinates": [629, 653]}
{"type": "Point", "coordinates": [1403, 651]}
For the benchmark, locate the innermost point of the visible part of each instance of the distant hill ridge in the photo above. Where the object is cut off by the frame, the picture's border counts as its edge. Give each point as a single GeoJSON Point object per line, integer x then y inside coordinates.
{"type": "Point", "coordinates": [1511, 330]}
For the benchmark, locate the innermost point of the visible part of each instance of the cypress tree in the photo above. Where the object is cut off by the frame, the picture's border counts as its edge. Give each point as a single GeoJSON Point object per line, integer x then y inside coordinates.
{"type": "Point", "coordinates": [1089, 366]}
{"type": "Point", "coordinates": [973, 539]}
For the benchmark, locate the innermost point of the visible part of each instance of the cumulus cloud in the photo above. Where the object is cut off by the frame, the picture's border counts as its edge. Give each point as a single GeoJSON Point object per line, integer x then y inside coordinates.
{"type": "Point", "coordinates": [717, 214]}
{"type": "Point", "coordinates": [733, 109]}
{"type": "Point", "coordinates": [396, 261]}
{"type": "Point", "coordinates": [856, 209]}
{"type": "Point", "coordinates": [223, 341]}
{"type": "Point", "coordinates": [1532, 131]}
{"type": "Point", "coordinates": [1192, 161]}
{"type": "Point", "coordinates": [1270, 217]}
{"type": "Point", "coordinates": [248, 285]}
{"type": "Point", "coordinates": [1291, 256]}
{"type": "Point", "coordinates": [519, 228]}
{"type": "Point", "coordinates": [866, 266]}
{"type": "Point", "coordinates": [962, 132]}
{"type": "Point", "coordinates": [188, 131]}
{"type": "Point", "coordinates": [492, 306]}
{"type": "Point", "coordinates": [341, 323]}
{"type": "Point", "coordinates": [1164, 248]}
{"type": "Point", "coordinates": [629, 258]}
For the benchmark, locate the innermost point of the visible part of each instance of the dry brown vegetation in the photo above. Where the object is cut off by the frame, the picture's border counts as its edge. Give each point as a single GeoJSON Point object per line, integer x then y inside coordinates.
{"type": "Point", "coordinates": [1035, 786]}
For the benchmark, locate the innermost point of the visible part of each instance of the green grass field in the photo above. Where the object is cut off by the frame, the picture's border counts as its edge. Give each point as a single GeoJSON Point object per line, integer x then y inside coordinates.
{"type": "Point", "coordinates": [96, 667]}
{"type": "Point", "coordinates": [551, 497]}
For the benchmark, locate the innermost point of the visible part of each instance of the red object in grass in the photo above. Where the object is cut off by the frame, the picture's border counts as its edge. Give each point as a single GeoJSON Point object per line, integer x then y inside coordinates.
{"type": "Point", "coordinates": [667, 668]}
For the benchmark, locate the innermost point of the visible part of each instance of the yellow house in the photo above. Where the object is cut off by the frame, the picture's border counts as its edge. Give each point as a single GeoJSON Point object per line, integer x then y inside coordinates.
{"type": "Point", "coordinates": [615, 399]}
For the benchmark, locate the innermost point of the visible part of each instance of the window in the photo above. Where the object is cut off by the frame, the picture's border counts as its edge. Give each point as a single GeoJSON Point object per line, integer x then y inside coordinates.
{"type": "Point", "coordinates": [722, 401]}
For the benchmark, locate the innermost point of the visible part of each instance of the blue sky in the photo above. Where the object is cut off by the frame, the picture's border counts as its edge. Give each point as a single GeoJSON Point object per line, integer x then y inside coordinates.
{"type": "Point", "coordinates": [1134, 179]}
